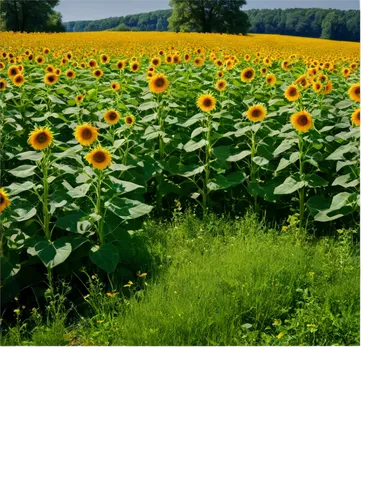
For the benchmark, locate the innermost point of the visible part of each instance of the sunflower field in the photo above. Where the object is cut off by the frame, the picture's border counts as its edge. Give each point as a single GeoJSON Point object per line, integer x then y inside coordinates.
{"type": "Point", "coordinates": [101, 130]}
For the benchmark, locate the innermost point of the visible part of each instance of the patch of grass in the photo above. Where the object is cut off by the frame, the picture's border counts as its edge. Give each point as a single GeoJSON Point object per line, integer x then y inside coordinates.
{"type": "Point", "coordinates": [222, 282]}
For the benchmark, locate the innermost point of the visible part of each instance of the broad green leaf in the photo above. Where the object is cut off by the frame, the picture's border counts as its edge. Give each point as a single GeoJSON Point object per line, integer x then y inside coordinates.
{"type": "Point", "coordinates": [290, 185]}
{"type": "Point", "coordinates": [193, 146]}
{"type": "Point", "coordinates": [23, 171]}
{"type": "Point", "coordinates": [106, 257]}
{"type": "Point", "coordinates": [16, 188]}
{"type": "Point", "coordinates": [52, 253]}
{"type": "Point", "coordinates": [73, 222]}
{"type": "Point", "coordinates": [31, 155]}
{"type": "Point", "coordinates": [239, 156]}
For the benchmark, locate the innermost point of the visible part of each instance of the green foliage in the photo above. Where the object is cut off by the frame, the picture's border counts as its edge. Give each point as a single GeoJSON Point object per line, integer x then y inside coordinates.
{"type": "Point", "coordinates": [31, 15]}
{"type": "Point", "coordinates": [217, 282]}
{"type": "Point", "coordinates": [332, 24]}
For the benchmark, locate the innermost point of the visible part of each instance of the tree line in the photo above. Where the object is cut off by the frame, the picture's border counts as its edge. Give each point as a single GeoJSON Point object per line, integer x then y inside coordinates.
{"type": "Point", "coordinates": [30, 16]}
{"type": "Point", "coordinates": [332, 24]}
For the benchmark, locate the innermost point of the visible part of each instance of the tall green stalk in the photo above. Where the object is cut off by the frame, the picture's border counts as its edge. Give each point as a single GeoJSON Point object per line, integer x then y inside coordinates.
{"type": "Point", "coordinates": [100, 226]}
{"type": "Point", "coordinates": [301, 191]}
{"type": "Point", "coordinates": [206, 176]}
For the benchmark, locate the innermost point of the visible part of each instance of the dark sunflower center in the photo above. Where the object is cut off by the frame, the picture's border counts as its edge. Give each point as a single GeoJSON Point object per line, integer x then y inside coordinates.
{"type": "Point", "coordinates": [112, 116]}
{"type": "Point", "coordinates": [42, 137]}
{"type": "Point", "coordinates": [86, 133]}
{"type": "Point", "coordinates": [51, 78]}
{"type": "Point", "coordinates": [292, 92]}
{"type": "Point", "coordinates": [248, 74]}
{"type": "Point", "coordinates": [2, 85]}
{"type": "Point", "coordinates": [13, 71]}
{"type": "Point", "coordinates": [302, 120]}
{"type": "Point", "coordinates": [159, 82]}
{"type": "Point", "coordinates": [256, 113]}
{"type": "Point", "coordinates": [129, 120]}
{"type": "Point", "coordinates": [2, 199]}
{"type": "Point", "coordinates": [357, 90]}
{"type": "Point", "coordinates": [221, 84]}
{"type": "Point", "coordinates": [359, 115]}
{"type": "Point", "coordinates": [207, 102]}
{"type": "Point", "coordinates": [99, 157]}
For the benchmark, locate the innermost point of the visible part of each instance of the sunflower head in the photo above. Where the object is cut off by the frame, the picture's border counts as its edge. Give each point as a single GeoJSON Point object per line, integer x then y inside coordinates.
{"type": "Point", "coordinates": [70, 74]}
{"type": "Point", "coordinates": [4, 200]}
{"type": "Point", "coordinates": [292, 93]}
{"type": "Point", "coordinates": [256, 113]}
{"type": "Point", "coordinates": [187, 57]}
{"type": "Point", "coordinates": [328, 87]}
{"type": "Point", "coordinates": [98, 73]}
{"type": "Point", "coordinates": [271, 79]}
{"type": "Point", "coordinates": [19, 80]}
{"type": "Point", "coordinates": [40, 138]}
{"type": "Point", "coordinates": [158, 83]}
{"type": "Point", "coordinates": [134, 66]}
{"type": "Point", "coordinates": [247, 74]}
{"type": "Point", "coordinates": [92, 63]}
{"type": "Point", "coordinates": [79, 98]}
{"type": "Point", "coordinates": [220, 85]}
{"type": "Point", "coordinates": [206, 103]}
{"type": "Point", "coordinates": [86, 134]}
{"type": "Point", "coordinates": [302, 121]}
{"type": "Point", "coordinates": [356, 117]}
{"type": "Point", "coordinates": [198, 61]}
{"type": "Point", "coordinates": [115, 86]}
{"type": "Point", "coordinates": [317, 86]}
{"type": "Point", "coordinates": [104, 58]}
{"type": "Point", "coordinates": [112, 116]}
{"type": "Point", "coordinates": [50, 78]}
{"type": "Point", "coordinates": [354, 92]}
{"type": "Point", "coordinates": [120, 65]}
{"type": "Point", "coordinates": [345, 72]}
{"type": "Point", "coordinates": [3, 84]}
{"type": "Point", "coordinates": [155, 61]}
{"type": "Point", "coordinates": [99, 158]}
{"type": "Point", "coordinates": [129, 120]}
{"type": "Point", "coordinates": [13, 71]}
{"type": "Point", "coordinates": [39, 60]}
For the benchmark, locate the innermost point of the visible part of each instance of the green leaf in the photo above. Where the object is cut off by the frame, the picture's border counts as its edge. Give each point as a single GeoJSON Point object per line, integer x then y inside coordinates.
{"type": "Point", "coordinates": [148, 105]}
{"type": "Point", "coordinates": [128, 209]}
{"type": "Point", "coordinates": [22, 210]}
{"type": "Point", "coordinates": [16, 188]}
{"type": "Point", "coordinates": [106, 257]}
{"type": "Point", "coordinates": [193, 119]}
{"type": "Point", "coordinates": [339, 153]}
{"type": "Point", "coordinates": [125, 186]}
{"type": "Point", "coordinates": [239, 156]}
{"type": "Point", "coordinates": [289, 186]}
{"type": "Point", "coordinates": [259, 160]}
{"type": "Point", "coordinates": [193, 146]}
{"type": "Point", "coordinates": [52, 253]}
{"type": "Point", "coordinates": [73, 222]}
{"type": "Point", "coordinates": [23, 171]}
{"type": "Point", "coordinates": [284, 146]}
{"type": "Point", "coordinates": [221, 182]}
{"type": "Point", "coordinates": [344, 104]}
{"type": "Point", "coordinates": [345, 181]}
{"type": "Point", "coordinates": [30, 155]}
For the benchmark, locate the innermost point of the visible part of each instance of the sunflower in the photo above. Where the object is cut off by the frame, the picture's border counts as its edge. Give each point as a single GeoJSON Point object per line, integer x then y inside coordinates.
{"type": "Point", "coordinates": [328, 88]}
{"type": "Point", "coordinates": [79, 98]}
{"type": "Point", "coordinates": [104, 58]}
{"type": "Point", "coordinates": [99, 158]}
{"type": "Point", "coordinates": [92, 63]}
{"type": "Point", "coordinates": [353, 66]}
{"type": "Point", "coordinates": [115, 86]}
{"type": "Point", "coordinates": [246, 57]}
{"type": "Point", "coordinates": [356, 117]}
{"type": "Point", "coordinates": [256, 113]}
{"type": "Point", "coordinates": [129, 120]}
{"type": "Point", "coordinates": [49, 69]}
{"type": "Point", "coordinates": [317, 86]}
{"type": "Point", "coordinates": [302, 121]}
{"type": "Point", "coordinates": [2, 65]}
{"type": "Point", "coordinates": [158, 83]}
{"type": "Point", "coordinates": [97, 73]}
{"type": "Point", "coordinates": [46, 51]}
{"type": "Point", "coordinates": [247, 74]}
{"type": "Point", "coordinates": [18, 80]}
{"type": "Point", "coordinates": [198, 61]}
{"type": "Point", "coordinates": [292, 93]}
{"type": "Point", "coordinates": [134, 67]}
{"type": "Point", "coordinates": [322, 78]}
{"type": "Point", "coordinates": [220, 74]}
{"type": "Point", "coordinates": [187, 57]}
{"type": "Point", "coordinates": [86, 134]}
{"type": "Point", "coordinates": [176, 59]}
{"type": "Point", "coordinates": [70, 74]}
{"type": "Point", "coordinates": [354, 92]}
{"type": "Point", "coordinates": [40, 138]}
{"type": "Point", "coordinates": [302, 82]}
{"type": "Point", "coordinates": [50, 78]}
{"type": "Point", "coordinates": [345, 72]}
{"type": "Point", "coordinates": [83, 64]}
{"type": "Point", "coordinates": [120, 65]}
{"type": "Point", "coordinates": [39, 59]}
{"type": "Point", "coordinates": [229, 64]}
{"type": "Point", "coordinates": [4, 200]}
{"type": "Point", "coordinates": [263, 70]}
{"type": "Point", "coordinates": [219, 63]}
{"type": "Point", "coordinates": [155, 61]}
{"type": "Point", "coordinates": [206, 102]}
{"type": "Point", "coordinates": [3, 84]}
{"type": "Point", "coordinates": [112, 116]}
{"type": "Point", "coordinates": [271, 79]}
{"type": "Point", "coordinates": [57, 71]}
{"type": "Point", "coordinates": [220, 85]}
{"type": "Point", "coordinates": [285, 65]}
{"type": "Point", "coordinates": [13, 71]}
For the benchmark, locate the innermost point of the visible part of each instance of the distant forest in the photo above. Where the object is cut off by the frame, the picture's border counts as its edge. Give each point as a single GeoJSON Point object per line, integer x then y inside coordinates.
{"type": "Point", "coordinates": [332, 24]}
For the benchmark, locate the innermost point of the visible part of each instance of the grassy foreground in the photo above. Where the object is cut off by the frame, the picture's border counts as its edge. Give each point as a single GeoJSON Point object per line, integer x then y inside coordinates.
{"type": "Point", "coordinates": [216, 282]}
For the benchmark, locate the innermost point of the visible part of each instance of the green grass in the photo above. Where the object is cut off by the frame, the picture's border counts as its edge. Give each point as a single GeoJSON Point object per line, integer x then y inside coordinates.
{"type": "Point", "coordinates": [219, 282]}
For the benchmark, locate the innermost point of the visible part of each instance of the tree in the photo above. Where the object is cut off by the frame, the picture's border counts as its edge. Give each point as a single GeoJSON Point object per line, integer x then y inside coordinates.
{"type": "Point", "coordinates": [31, 15]}
{"type": "Point", "coordinates": [208, 16]}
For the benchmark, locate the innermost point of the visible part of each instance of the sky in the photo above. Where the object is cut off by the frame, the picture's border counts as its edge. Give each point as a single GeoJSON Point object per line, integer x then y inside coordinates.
{"type": "Point", "coordinates": [75, 10]}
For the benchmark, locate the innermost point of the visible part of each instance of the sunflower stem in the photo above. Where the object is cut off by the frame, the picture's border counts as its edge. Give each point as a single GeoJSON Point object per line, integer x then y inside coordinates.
{"type": "Point", "coordinates": [206, 177]}
{"type": "Point", "coordinates": [46, 214]}
{"type": "Point", "coordinates": [301, 192]}
{"type": "Point", "coordinates": [99, 207]}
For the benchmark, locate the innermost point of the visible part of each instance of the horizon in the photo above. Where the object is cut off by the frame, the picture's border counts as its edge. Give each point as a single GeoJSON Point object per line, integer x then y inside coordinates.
{"type": "Point", "coordinates": [72, 10]}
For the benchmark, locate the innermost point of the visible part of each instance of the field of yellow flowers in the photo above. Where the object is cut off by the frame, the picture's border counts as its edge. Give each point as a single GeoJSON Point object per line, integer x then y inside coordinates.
{"type": "Point", "coordinates": [100, 129]}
